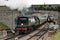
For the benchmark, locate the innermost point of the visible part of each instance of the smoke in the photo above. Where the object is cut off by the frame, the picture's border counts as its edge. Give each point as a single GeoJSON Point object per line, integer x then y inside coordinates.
{"type": "Point", "coordinates": [20, 4]}
{"type": "Point", "coordinates": [17, 4]}
{"type": "Point", "coordinates": [2, 2]}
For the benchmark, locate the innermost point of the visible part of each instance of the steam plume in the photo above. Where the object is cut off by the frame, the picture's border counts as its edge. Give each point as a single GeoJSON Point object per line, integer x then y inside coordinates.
{"type": "Point", "coordinates": [17, 4]}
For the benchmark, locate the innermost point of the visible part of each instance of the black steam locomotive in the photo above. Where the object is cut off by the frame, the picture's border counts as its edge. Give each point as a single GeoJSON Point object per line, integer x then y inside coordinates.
{"type": "Point", "coordinates": [27, 23]}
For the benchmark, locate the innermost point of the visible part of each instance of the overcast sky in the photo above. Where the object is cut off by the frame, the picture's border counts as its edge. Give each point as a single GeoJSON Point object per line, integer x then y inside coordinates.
{"type": "Point", "coordinates": [38, 1]}
{"type": "Point", "coordinates": [46, 1]}
{"type": "Point", "coordinates": [15, 4]}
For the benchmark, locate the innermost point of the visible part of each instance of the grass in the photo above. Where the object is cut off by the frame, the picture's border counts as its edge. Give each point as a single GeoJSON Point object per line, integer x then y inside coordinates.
{"type": "Point", "coordinates": [3, 25]}
{"type": "Point", "coordinates": [56, 36]}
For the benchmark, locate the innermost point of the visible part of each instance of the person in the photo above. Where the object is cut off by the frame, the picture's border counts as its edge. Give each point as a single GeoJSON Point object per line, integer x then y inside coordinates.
{"type": "Point", "coordinates": [53, 26]}
{"type": "Point", "coordinates": [56, 26]}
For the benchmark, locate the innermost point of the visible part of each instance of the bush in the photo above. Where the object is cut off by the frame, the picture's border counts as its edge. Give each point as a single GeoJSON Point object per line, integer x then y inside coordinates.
{"type": "Point", "coordinates": [3, 25]}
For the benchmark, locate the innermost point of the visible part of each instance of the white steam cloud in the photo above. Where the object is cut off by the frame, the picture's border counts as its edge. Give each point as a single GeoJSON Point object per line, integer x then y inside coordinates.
{"type": "Point", "coordinates": [15, 4]}
{"type": "Point", "coordinates": [20, 4]}
{"type": "Point", "coordinates": [2, 2]}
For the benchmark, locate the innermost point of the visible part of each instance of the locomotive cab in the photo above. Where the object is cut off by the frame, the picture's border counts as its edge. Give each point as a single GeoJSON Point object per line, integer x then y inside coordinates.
{"type": "Point", "coordinates": [26, 23]}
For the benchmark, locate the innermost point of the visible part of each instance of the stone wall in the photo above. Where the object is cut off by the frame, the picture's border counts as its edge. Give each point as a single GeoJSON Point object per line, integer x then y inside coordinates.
{"type": "Point", "coordinates": [7, 16]}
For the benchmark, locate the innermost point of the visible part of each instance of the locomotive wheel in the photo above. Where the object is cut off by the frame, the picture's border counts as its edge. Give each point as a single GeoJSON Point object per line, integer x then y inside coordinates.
{"type": "Point", "coordinates": [35, 27]}
{"type": "Point", "coordinates": [30, 29]}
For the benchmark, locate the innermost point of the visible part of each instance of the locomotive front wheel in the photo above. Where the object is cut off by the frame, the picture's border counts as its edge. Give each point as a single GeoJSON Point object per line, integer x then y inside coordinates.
{"type": "Point", "coordinates": [30, 29]}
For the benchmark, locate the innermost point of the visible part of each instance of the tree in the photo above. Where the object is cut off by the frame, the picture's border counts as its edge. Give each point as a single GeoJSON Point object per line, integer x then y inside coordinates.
{"type": "Point", "coordinates": [58, 8]}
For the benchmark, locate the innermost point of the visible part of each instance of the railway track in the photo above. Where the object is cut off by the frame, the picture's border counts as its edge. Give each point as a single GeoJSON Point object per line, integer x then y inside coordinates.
{"type": "Point", "coordinates": [28, 36]}
{"type": "Point", "coordinates": [36, 35]}
{"type": "Point", "coordinates": [9, 36]}
{"type": "Point", "coordinates": [12, 36]}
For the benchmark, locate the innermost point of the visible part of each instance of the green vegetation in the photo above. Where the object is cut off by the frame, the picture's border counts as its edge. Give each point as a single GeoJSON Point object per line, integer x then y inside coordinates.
{"type": "Point", "coordinates": [55, 37]}
{"type": "Point", "coordinates": [3, 26]}
{"type": "Point", "coordinates": [48, 7]}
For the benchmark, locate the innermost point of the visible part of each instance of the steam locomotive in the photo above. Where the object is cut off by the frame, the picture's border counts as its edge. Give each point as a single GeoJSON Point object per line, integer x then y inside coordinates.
{"type": "Point", "coordinates": [25, 24]}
